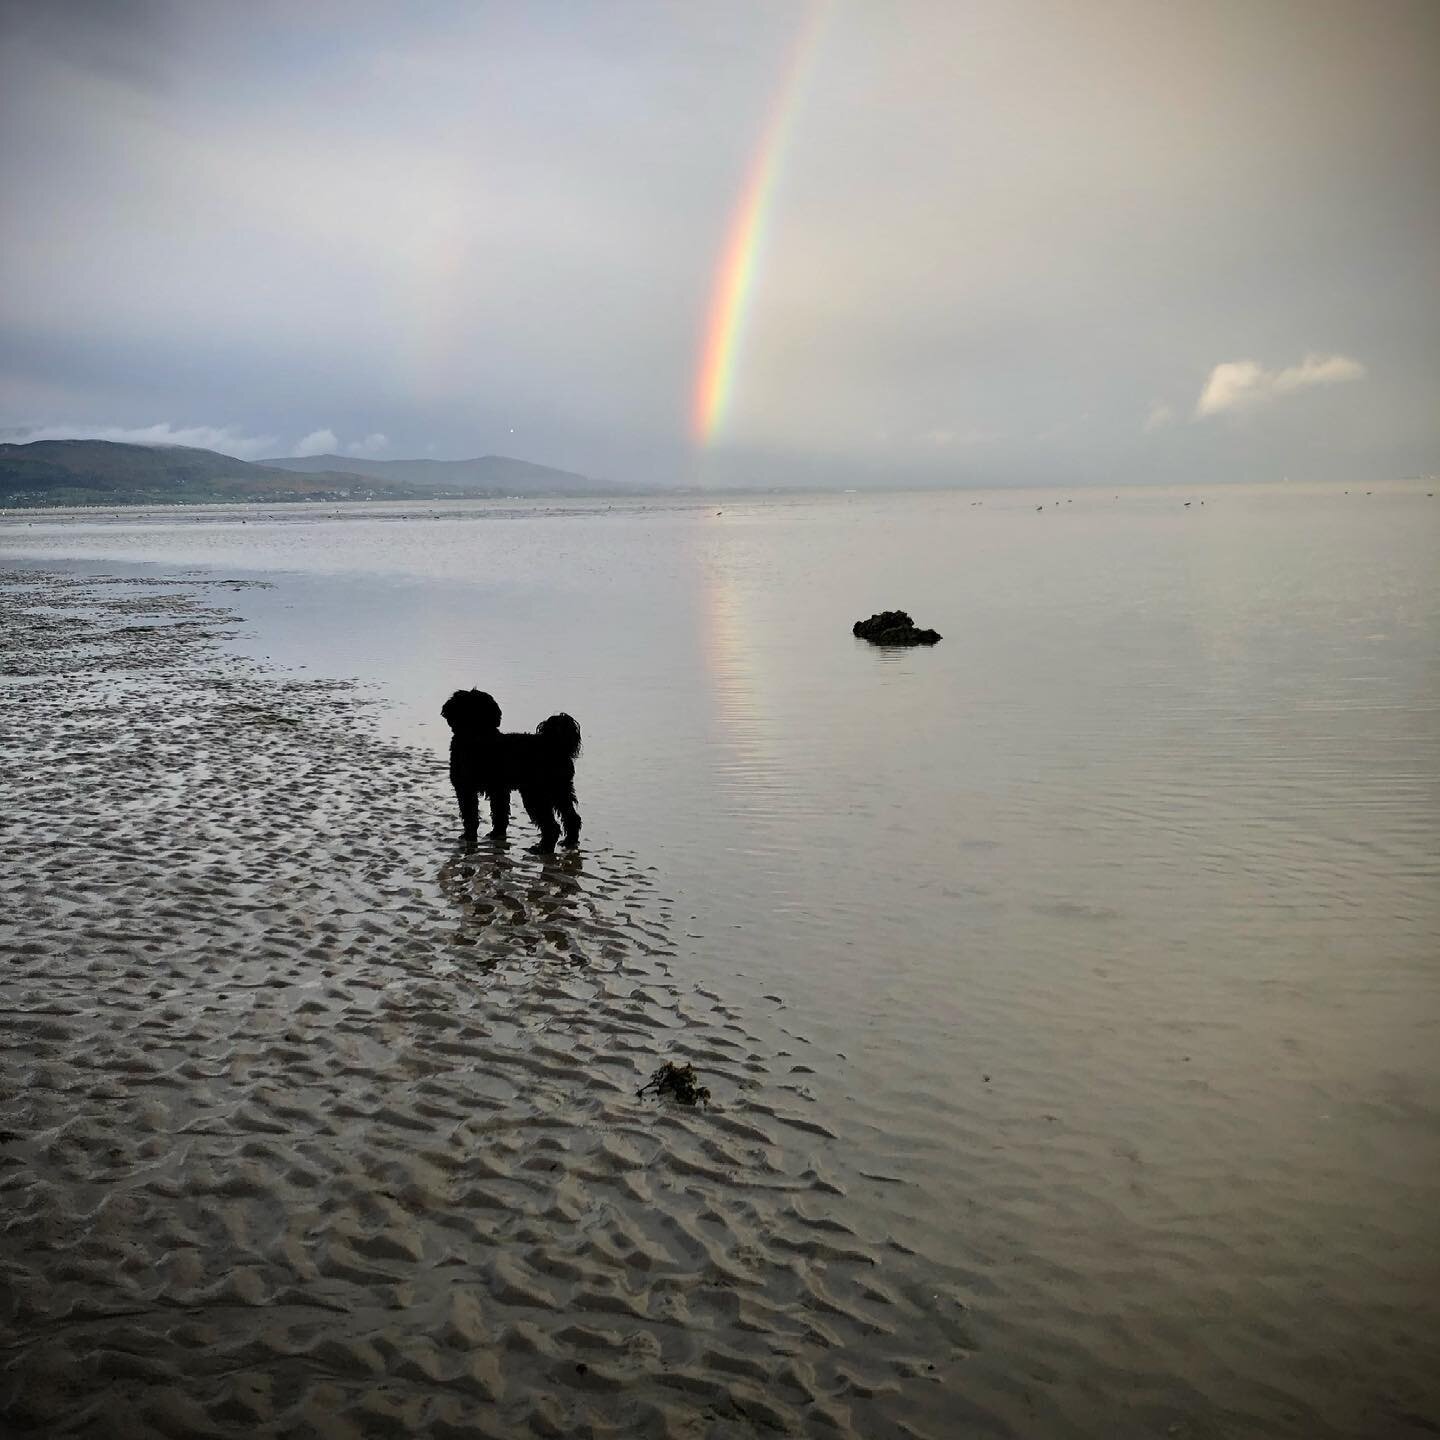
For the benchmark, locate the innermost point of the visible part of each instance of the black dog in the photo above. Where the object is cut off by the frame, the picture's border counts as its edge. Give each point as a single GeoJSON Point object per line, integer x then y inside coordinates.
{"type": "Point", "coordinates": [541, 767]}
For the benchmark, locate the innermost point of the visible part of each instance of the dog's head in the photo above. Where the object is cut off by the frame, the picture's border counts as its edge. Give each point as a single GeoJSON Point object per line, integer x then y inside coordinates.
{"type": "Point", "coordinates": [471, 710]}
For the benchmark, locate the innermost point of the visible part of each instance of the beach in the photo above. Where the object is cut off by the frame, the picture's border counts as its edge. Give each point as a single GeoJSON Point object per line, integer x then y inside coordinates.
{"type": "Point", "coordinates": [313, 1124]}
{"type": "Point", "coordinates": [1065, 991]}
{"type": "Point", "coordinates": [1017, 1023]}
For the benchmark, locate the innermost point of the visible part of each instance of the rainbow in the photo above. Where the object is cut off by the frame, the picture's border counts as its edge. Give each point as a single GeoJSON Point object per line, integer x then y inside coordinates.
{"type": "Point", "coordinates": [735, 277]}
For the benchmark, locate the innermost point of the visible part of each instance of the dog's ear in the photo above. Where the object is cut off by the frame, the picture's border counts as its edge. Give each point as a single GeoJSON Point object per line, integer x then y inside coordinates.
{"type": "Point", "coordinates": [485, 710]}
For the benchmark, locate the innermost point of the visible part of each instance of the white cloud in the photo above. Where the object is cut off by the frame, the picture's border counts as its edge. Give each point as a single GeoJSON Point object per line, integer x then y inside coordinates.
{"type": "Point", "coordinates": [226, 439]}
{"type": "Point", "coordinates": [1159, 417]}
{"type": "Point", "coordinates": [317, 442]}
{"type": "Point", "coordinates": [1241, 385]}
{"type": "Point", "coordinates": [370, 446]}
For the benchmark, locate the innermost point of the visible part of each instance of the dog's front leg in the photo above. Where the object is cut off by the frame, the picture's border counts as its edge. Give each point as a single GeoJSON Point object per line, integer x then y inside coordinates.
{"type": "Point", "coordinates": [571, 818]}
{"type": "Point", "coordinates": [469, 800]}
{"type": "Point", "coordinates": [499, 815]}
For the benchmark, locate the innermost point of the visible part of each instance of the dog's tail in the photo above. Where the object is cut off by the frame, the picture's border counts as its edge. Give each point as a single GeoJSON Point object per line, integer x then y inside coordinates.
{"type": "Point", "coordinates": [561, 733]}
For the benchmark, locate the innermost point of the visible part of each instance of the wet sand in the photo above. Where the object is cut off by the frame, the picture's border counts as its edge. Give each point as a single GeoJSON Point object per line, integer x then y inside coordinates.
{"type": "Point", "coordinates": [312, 1125]}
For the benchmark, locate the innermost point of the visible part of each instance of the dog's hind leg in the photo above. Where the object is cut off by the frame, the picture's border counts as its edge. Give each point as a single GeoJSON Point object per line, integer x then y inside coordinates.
{"type": "Point", "coordinates": [541, 809]}
{"type": "Point", "coordinates": [499, 815]}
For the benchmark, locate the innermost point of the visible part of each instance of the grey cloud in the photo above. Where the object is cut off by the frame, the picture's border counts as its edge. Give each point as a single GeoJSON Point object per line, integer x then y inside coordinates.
{"type": "Point", "coordinates": [228, 439]}
{"type": "Point", "coordinates": [129, 42]}
{"type": "Point", "coordinates": [442, 223]}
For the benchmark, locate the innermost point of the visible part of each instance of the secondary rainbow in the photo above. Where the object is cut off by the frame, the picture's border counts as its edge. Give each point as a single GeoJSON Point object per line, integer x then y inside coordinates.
{"type": "Point", "coordinates": [735, 278]}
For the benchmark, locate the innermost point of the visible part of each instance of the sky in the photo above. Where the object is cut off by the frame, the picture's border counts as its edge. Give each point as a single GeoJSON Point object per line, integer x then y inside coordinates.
{"type": "Point", "coordinates": [762, 242]}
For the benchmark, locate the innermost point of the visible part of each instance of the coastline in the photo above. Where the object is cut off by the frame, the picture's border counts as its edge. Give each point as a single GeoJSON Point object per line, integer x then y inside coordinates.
{"type": "Point", "coordinates": [310, 1124]}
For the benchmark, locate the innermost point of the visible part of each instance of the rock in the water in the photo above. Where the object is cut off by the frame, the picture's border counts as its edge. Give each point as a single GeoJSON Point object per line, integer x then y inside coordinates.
{"type": "Point", "coordinates": [893, 627]}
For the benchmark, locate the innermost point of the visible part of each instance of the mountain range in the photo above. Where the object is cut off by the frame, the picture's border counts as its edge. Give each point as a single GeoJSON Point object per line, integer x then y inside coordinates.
{"type": "Point", "coordinates": [105, 472]}
{"type": "Point", "coordinates": [488, 474]}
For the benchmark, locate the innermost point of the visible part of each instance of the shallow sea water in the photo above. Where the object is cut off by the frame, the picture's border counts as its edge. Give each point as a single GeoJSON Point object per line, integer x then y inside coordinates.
{"type": "Point", "coordinates": [1110, 926]}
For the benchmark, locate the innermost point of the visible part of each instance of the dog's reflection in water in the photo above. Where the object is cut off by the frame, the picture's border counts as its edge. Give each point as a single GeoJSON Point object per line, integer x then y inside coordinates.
{"type": "Point", "coordinates": [515, 907]}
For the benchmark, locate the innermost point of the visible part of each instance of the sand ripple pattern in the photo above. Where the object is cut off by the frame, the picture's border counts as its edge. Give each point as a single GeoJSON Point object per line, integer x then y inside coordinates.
{"type": "Point", "coordinates": [310, 1125]}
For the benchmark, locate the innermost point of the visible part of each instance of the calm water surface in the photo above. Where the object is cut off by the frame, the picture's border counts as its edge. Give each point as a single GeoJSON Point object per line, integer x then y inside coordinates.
{"type": "Point", "coordinates": [1108, 931]}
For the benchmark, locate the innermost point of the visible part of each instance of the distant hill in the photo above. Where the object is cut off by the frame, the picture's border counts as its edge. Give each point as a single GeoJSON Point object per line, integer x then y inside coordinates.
{"type": "Point", "coordinates": [105, 472]}
{"type": "Point", "coordinates": [486, 475]}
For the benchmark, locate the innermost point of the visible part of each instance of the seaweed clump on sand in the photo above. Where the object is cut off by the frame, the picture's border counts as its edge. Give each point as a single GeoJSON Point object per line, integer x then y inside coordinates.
{"type": "Point", "coordinates": [679, 1082]}
{"type": "Point", "coordinates": [893, 627]}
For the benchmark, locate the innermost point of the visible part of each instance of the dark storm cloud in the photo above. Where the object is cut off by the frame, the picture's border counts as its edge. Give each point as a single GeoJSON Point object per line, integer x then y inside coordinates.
{"type": "Point", "coordinates": [1008, 241]}
{"type": "Point", "coordinates": [126, 40]}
